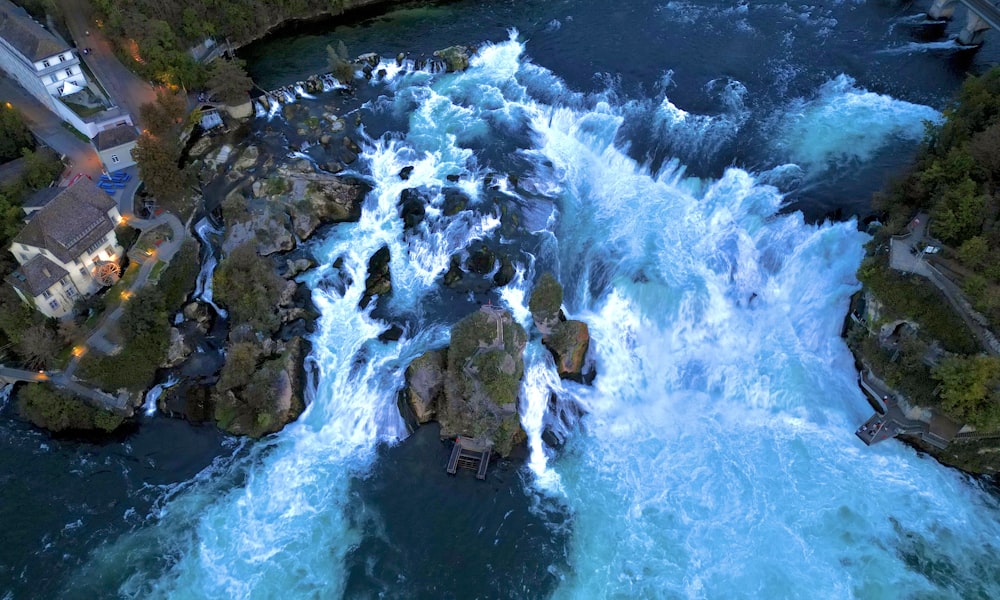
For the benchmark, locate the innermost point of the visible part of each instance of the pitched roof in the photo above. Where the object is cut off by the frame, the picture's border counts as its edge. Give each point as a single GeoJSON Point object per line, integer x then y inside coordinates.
{"type": "Point", "coordinates": [25, 35]}
{"type": "Point", "coordinates": [115, 136]}
{"type": "Point", "coordinates": [36, 275]}
{"type": "Point", "coordinates": [40, 198]}
{"type": "Point", "coordinates": [71, 222]}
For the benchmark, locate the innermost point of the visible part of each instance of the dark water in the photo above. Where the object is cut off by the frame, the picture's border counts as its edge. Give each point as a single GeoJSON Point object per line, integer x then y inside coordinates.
{"type": "Point", "coordinates": [744, 66]}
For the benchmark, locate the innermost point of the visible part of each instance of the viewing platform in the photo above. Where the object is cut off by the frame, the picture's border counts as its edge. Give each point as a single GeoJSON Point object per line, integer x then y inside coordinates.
{"type": "Point", "coordinates": [467, 453]}
{"type": "Point", "coordinates": [890, 420]}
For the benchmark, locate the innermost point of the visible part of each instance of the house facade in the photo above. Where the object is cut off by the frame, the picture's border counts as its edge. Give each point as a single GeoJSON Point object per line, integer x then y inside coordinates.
{"type": "Point", "coordinates": [67, 250]}
{"type": "Point", "coordinates": [114, 146]}
{"type": "Point", "coordinates": [43, 64]}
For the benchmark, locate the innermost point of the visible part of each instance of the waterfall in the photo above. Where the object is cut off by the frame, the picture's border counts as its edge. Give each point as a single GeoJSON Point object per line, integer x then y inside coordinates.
{"type": "Point", "coordinates": [153, 395]}
{"type": "Point", "coordinates": [203, 286]}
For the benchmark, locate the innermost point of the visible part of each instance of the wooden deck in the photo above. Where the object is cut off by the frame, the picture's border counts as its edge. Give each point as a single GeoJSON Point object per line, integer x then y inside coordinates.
{"type": "Point", "coordinates": [467, 453]}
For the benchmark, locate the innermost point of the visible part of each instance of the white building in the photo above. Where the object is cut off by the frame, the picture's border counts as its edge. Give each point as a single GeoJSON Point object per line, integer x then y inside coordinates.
{"type": "Point", "coordinates": [38, 60]}
{"type": "Point", "coordinates": [66, 249]}
{"type": "Point", "coordinates": [47, 68]}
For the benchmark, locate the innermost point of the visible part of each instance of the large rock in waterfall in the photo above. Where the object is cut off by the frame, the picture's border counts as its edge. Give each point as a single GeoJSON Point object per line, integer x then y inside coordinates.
{"type": "Point", "coordinates": [568, 341]}
{"type": "Point", "coordinates": [471, 389]}
{"type": "Point", "coordinates": [379, 280]}
{"type": "Point", "coordinates": [425, 384]}
{"type": "Point", "coordinates": [456, 58]}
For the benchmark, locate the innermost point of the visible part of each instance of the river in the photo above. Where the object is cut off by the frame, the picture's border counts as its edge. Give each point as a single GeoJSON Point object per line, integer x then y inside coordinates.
{"type": "Point", "coordinates": [673, 164]}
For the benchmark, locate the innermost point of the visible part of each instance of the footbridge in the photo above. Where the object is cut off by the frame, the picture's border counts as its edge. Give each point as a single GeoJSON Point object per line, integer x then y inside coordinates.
{"type": "Point", "coordinates": [983, 15]}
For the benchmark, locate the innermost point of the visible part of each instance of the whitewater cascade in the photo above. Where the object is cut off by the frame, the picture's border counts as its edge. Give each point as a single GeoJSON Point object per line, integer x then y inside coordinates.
{"type": "Point", "coordinates": [716, 458]}
{"type": "Point", "coordinates": [203, 285]}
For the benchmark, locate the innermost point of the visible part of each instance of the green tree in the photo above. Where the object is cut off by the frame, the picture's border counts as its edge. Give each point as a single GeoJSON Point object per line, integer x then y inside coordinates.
{"type": "Point", "coordinates": [158, 160]}
{"type": "Point", "coordinates": [959, 212]}
{"type": "Point", "coordinates": [164, 115]}
{"type": "Point", "coordinates": [14, 134]}
{"type": "Point", "coordinates": [969, 389]}
{"type": "Point", "coordinates": [228, 81]}
{"type": "Point", "coordinates": [247, 284]}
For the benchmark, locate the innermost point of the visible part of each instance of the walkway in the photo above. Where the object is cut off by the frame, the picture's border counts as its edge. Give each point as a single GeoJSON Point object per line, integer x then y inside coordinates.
{"type": "Point", "coordinates": [48, 127]}
{"type": "Point", "coordinates": [126, 88]}
{"type": "Point", "coordinates": [98, 337]}
{"type": "Point", "coordinates": [906, 254]}
{"type": "Point", "coordinates": [891, 420]}
{"type": "Point", "coordinates": [987, 10]}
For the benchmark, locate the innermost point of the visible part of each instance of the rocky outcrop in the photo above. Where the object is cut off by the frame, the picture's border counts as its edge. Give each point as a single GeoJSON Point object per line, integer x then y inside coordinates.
{"type": "Point", "coordinates": [471, 388]}
{"type": "Point", "coordinates": [379, 280]}
{"type": "Point", "coordinates": [568, 341]}
{"type": "Point", "coordinates": [425, 384]}
{"type": "Point", "coordinates": [177, 351]}
{"type": "Point", "coordinates": [545, 303]}
{"type": "Point", "coordinates": [456, 58]}
{"type": "Point", "coordinates": [271, 398]}
{"type": "Point", "coordinates": [289, 207]}
{"type": "Point", "coordinates": [568, 344]}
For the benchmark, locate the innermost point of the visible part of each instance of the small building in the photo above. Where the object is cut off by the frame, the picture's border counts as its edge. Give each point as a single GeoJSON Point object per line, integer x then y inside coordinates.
{"type": "Point", "coordinates": [43, 64]}
{"type": "Point", "coordinates": [115, 145]}
{"type": "Point", "coordinates": [68, 249]}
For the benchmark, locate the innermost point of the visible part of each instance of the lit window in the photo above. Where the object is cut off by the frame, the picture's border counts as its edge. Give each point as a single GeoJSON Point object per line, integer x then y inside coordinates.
{"type": "Point", "coordinates": [54, 304]}
{"type": "Point", "coordinates": [114, 158]}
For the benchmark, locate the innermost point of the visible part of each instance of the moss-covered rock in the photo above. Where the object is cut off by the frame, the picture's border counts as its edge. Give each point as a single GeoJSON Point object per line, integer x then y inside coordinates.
{"type": "Point", "coordinates": [545, 303]}
{"type": "Point", "coordinates": [472, 387]}
{"type": "Point", "coordinates": [48, 408]}
{"type": "Point", "coordinates": [485, 366]}
{"type": "Point", "coordinates": [271, 399]}
{"type": "Point", "coordinates": [456, 58]}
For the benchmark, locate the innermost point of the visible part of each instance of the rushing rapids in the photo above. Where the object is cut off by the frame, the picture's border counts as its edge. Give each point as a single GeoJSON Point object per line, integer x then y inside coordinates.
{"type": "Point", "coordinates": [712, 457]}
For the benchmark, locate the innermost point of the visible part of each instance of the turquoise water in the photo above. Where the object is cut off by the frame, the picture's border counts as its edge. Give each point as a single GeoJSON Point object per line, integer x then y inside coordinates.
{"type": "Point", "coordinates": [714, 455]}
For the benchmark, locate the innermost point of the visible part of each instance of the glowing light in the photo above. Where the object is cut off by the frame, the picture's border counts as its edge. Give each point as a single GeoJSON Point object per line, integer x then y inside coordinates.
{"type": "Point", "coordinates": [126, 294]}
{"type": "Point", "coordinates": [79, 351]}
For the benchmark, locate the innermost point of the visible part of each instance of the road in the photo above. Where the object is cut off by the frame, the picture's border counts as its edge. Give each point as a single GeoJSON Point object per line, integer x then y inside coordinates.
{"type": "Point", "coordinates": [126, 88]}
{"type": "Point", "coordinates": [47, 126]}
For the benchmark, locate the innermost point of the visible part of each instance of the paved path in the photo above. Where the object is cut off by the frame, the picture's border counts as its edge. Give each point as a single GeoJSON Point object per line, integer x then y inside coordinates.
{"type": "Point", "coordinates": [905, 254]}
{"type": "Point", "coordinates": [47, 126]}
{"type": "Point", "coordinates": [125, 87]}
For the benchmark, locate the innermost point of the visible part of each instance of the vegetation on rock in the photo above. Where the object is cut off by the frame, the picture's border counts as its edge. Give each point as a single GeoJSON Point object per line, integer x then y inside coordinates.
{"type": "Point", "coordinates": [57, 411]}
{"type": "Point", "coordinates": [247, 285]}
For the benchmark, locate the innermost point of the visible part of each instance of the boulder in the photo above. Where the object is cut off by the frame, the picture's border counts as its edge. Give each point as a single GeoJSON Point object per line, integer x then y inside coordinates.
{"type": "Point", "coordinates": [200, 314]}
{"type": "Point", "coordinates": [178, 351]}
{"type": "Point", "coordinates": [411, 208]}
{"type": "Point", "coordinates": [481, 260]}
{"type": "Point", "coordinates": [456, 58]}
{"type": "Point", "coordinates": [296, 267]}
{"type": "Point", "coordinates": [505, 274]}
{"type": "Point", "coordinates": [545, 303]}
{"type": "Point", "coordinates": [568, 344]}
{"type": "Point", "coordinates": [379, 280]}
{"type": "Point", "coordinates": [247, 160]}
{"type": "Point", "coordinates": [405, 172]}
{"type": "Point", "coordinates": [425, 384]}
{"type": "Point", "coordinates": [453, 276]}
